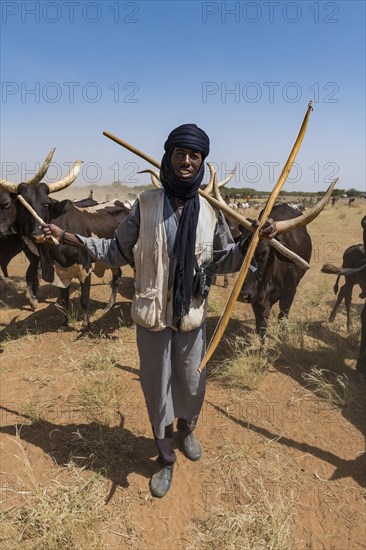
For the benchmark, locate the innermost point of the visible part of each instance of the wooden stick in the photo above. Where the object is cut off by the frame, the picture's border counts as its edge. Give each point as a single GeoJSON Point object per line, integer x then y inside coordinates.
{"type": "Point", "coordinates": [214, 202]}
{"type": "Point", "coordinates": [132, 149]}
{"type": "Point", "coordinates": [222, 324]}
{"type": "Point", "coordinates": [35, 215]}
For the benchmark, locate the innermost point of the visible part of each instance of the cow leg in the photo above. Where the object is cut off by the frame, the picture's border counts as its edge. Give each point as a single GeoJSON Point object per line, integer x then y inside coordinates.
{"type": "Point", "coordinates": [31, 277]}
{"type": "Point", "coordinates": [261, 313]}
{"type": "Point", "coordinates": [336, 305]}
{"type": "Point", "coordinates": [226, 280]}
{"type": "Point", "coordinates": [63, 301]}
{"type": "Point", "coordinates": [285, 303]}
{"type": "Point", "coordinates": [348, 300]}
{"type": "Point", "coordinates": [117, 274]}
{"type": "Point", "coordinates": [84, 300]}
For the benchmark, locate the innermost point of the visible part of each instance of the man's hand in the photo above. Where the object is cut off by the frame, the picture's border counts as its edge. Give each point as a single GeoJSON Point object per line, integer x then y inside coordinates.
{"type": "Point", "coordinates": [50, 229]}
{"type": "Point", "coordinates": [268, 230]}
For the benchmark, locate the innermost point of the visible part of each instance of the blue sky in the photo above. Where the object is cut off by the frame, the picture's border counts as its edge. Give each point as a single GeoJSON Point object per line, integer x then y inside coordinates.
{"type": "Point", "coordinates": [243, 71]}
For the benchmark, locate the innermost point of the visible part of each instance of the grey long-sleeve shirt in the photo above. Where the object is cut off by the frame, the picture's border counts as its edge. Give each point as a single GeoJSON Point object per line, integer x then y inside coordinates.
{"type": "Point", "coordinates": [227, 255]}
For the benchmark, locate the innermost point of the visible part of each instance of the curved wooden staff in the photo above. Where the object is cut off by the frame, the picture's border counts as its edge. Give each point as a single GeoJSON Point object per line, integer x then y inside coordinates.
{"type": "Point", "coordinates": [222, 324]}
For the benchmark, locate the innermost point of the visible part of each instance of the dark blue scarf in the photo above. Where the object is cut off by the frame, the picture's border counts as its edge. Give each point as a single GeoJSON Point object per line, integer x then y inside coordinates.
{"type": "Point", "coordinates": [187, 136]}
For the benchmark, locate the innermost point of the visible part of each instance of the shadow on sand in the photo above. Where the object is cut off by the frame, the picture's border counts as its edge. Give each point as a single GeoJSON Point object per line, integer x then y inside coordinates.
{"type": "Point", "coordinates": [113, 452]}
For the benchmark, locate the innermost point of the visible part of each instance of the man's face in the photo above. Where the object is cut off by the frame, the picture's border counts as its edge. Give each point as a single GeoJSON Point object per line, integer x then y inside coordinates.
{"type": "Point", "coordinates": [185, 162]}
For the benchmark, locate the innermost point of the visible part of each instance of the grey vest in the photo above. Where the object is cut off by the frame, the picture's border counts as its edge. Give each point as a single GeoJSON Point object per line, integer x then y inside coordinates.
{"type": "Point", "coordinates": [152, 306]}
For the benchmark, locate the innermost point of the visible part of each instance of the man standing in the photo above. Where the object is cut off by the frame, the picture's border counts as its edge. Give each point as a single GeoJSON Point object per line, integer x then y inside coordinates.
{"type": "Point", "coordinates": [174, 239]}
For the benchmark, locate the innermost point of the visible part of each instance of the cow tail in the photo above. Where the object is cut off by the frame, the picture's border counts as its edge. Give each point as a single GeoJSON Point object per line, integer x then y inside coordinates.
{"type": "Point", "coordinates": [336, 286]}
{"type": "Point", "coordinates": [333, 270]}
{"type": "Point", "coordinates": [329, 268]}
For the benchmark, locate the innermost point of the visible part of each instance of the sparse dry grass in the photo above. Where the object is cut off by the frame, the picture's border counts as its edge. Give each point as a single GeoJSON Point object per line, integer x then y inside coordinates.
{"type": "Point", "coordinates": [245, 364]}
{"type": "Point", "coordinates": [54, 516]}
{"type": "Point", "coordinates": [99, 395]}
{"type": "Point", "coordinates": [332, 387]}
{"type": "Point", "coordinates": [214, 306]}
{"type": "Point", "coordinates": [35, 411]}
{"type": "Point", "coordinates": [69, 512]}
{"type": "Point", "coordinates": [320, 293]}
{"type": "Point", "coordinates": [244, 512]}
{"type": "Point", "coordinates": [288, 340]}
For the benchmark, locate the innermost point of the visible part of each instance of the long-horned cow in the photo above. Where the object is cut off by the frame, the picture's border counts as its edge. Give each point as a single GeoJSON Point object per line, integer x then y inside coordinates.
{"type": "Point", "coordinates": [275, 275]}
{"type": "Point", "coordinates": [275, 278]}
{"type": "Point", "coordinates": [62, 263]}
{"type": "Point", "coordinates": [11, 243]}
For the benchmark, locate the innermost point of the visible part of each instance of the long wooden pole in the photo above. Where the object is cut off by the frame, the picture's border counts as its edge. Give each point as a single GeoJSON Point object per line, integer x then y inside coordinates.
{"type": "Point", "coordinates": [132, 149]}
{"type": "Point", "coordinates": [222, 324]}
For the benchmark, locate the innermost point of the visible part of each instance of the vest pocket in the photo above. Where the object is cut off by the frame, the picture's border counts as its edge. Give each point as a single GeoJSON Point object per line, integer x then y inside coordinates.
{"type": "Point", "coordinates": [144, 307]}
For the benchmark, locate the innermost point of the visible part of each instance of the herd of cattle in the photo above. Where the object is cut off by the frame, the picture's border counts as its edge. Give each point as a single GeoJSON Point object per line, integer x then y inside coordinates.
{"type": "Point", "coordinates": [275, 278]}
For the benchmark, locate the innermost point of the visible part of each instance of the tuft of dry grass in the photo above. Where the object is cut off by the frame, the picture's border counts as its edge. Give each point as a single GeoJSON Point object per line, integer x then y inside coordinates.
{"type": "Point", "coordinates": [245, 365]}
{"type": "Point", "coordinates": [104, 360]}
{"type": "Point", "coordinates": [99, 395]}
{"type": "Point", "coordinates": [72, 314]}
{"type": "Point", "coordinates": [35, 411]}
{"type": "Point", "coordinates": [214, 306]}
{"type": "Point", "coordinates": [289, 341]}
{"type": "Point", "coordinates": [332, 387]}
{"type": "Point", "coordinates": [243, 527]}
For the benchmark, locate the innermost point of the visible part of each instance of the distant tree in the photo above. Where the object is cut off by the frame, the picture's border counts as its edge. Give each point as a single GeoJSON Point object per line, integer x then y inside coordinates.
{"type": "Point", "coordinates": [353, 193]}
{"type": "Point", "coordinates": [338, 192]}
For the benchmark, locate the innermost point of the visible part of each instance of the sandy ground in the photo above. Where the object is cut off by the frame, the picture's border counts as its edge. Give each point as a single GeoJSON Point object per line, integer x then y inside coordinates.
{"type": "Point", "coordinates": [280, 440]}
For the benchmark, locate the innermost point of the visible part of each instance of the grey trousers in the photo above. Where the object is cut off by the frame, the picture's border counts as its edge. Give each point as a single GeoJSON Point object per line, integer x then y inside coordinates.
{"type": "Point", "coordinates": [172, 388]}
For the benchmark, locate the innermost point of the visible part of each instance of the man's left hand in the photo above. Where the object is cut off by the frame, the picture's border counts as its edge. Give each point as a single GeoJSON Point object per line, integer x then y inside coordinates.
{"type": "Point", "coordinates": [268, 230]}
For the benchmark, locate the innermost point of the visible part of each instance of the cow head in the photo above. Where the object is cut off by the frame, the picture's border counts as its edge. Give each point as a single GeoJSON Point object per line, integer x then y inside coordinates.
{"type": "Point", "coordinates": [37, 196]}
{"type": "Point", "coordinates": [36, 193]}
{"type": "Point", "coordinates": [249, 290]}
{"type": "Point", "coordinates": [8, 213]}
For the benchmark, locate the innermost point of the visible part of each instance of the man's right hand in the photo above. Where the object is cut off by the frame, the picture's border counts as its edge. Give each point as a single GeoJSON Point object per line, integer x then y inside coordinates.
{"type": "Point", "coordinates": [50, 229]}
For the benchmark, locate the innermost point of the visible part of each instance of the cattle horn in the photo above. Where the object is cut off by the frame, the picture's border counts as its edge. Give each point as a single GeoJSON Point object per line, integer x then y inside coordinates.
{"type": "Point", "coordinates": [8, 186]}
{"type": "Point", "coordinates": [43, 169]}
{"type": "Point", "coordinates": [216, 190]}
{"type": "Point", "coordinates": [67, 180]}
{"type": "Point", "coordinates": [155, 180]}
{"type": "Point", "coordinates": [228, 178]}
{"type": "Point", "coordinates": [209, 187]}
{"type": "Point", "coordinates": [308, 216]}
